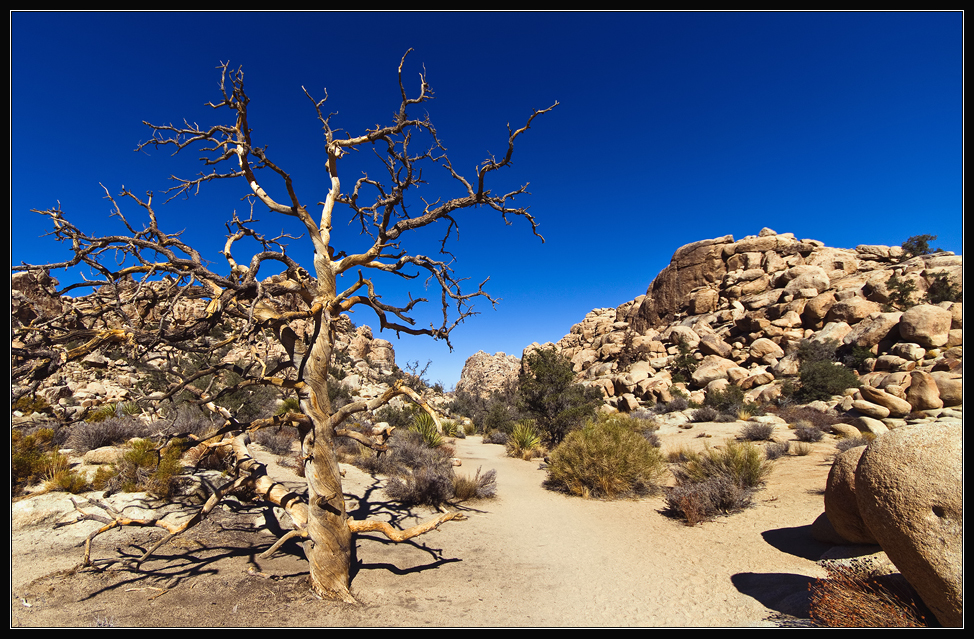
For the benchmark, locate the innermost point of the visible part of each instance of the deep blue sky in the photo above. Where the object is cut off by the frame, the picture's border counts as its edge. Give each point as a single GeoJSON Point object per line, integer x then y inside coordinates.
{"type": "Point", "coordinates": [673, 127]}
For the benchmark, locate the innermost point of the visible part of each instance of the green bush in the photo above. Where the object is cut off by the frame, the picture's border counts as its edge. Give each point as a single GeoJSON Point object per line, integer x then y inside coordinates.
{"type": "Point", "coordinates": [820, 377]}
{"type": "Point", "coordinates": [941, 289]}
{"type": "Point", "coordinates": [547, 392]}
{"type": "Point", "coordinates": [144, 467]}
{"type": "Point", "coordinates": [684, 364]}
{"type": "Point", "coordinates": [822, 380]}
{"type": "Point", "coordinates": [30, 456]}
{"type": "Point", "coordinates": [607, 458]}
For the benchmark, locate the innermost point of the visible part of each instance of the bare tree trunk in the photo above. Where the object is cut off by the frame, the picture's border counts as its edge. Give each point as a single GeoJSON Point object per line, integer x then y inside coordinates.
{"type": "Point", "coordinates": [329, 545]}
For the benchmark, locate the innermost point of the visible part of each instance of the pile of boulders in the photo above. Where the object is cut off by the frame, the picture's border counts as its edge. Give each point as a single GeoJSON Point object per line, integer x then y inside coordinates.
{"type": "Point", "coordinates": [742, 308]}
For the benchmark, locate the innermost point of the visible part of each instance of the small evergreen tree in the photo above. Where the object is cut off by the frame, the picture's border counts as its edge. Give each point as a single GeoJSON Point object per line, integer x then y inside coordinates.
{"type": "Point", "coordinates": [547, 392]}
{"type": "Point", "coordinates": [918, 245]}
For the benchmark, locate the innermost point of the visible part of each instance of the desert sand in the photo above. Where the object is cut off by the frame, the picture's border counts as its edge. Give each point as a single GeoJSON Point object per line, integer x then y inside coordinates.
{"type": "Point", "coordinates": [527, 558]}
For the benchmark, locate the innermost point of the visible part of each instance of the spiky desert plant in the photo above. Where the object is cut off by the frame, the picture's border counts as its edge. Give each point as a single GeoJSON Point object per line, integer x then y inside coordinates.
{"type": "Point", "coordinates": [524, 441]}
{"type": "Point", "coordinates": [425, 426]}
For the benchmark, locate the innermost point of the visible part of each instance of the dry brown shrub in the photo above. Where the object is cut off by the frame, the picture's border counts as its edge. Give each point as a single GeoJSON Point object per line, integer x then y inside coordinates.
{"type": "Point", "coordinates": [852, 596]}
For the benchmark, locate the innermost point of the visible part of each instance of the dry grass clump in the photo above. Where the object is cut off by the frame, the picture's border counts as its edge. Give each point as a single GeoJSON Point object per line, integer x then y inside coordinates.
{"type": "Point", "coordinates": [851, 596]}
{"type": "Point", "coordinates": [807, 432]}
{"type": "Point", "coordinates": [718, 481]}
{"type": "Point", "coordinates": [757, 432]}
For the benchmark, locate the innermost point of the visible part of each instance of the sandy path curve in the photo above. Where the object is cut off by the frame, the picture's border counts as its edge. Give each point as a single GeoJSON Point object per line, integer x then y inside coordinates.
{"type": "Point", "coordinates": [532, 557]}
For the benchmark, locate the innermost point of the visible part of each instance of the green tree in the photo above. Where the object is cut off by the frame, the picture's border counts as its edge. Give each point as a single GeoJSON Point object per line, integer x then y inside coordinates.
{"type": "Point", "coordinates": [918, 245]}
{"type": "Point", "coordinates": [547, 391]}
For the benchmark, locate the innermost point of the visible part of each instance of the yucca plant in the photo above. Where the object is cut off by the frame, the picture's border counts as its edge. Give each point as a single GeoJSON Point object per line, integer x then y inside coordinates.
{"type": "Point", "coordinates": [424, 425]}
{"type": "Point", "coordinates": [524, 441]}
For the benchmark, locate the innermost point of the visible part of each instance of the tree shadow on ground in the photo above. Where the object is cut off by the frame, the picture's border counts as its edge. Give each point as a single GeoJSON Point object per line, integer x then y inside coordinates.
{"type": "Point", "coordinates": [365, 506]}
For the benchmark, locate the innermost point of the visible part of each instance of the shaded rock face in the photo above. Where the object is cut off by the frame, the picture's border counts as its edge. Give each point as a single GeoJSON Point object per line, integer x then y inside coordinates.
{"type": "Point", "coordinates": [910, 496]}
{"type": "Point", "coordinates": [841, 506]}
{"type": "Point", "coordinates": [33, 296]}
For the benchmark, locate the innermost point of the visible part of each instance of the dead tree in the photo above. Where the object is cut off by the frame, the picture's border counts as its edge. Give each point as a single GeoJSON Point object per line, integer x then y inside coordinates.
{"type": "Point", "coordinates": [144, 275]}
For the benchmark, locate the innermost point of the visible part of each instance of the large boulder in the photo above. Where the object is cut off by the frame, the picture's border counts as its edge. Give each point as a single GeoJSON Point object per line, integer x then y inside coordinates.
{"type": "Point", "coordinates": [926, 325]}
{"type": "Point", "coordinates": [909, 493]}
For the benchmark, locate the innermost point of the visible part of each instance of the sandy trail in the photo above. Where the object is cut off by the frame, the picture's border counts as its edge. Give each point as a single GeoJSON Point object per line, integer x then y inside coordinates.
{"type": "Point", "coordinates": [530, 558]}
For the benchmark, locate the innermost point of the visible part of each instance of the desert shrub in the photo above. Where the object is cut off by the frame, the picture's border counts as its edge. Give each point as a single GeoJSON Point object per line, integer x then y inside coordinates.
{"type": "Point", "coordinates": [757, 432]}
{"type": "Point", "coordinates": [524, 441]}
{"type": "Point", "coordinates": [100, 414]}
{"type": "Point", "coordinates": [774, 450]}
{"type": "Point", "coordinates": [479, 486]}
{"type": "Point", "coordinates": [31, 456]}
{"type": "Point", "coordinates": [901, 292]}
{"type": "Point", "coordinates": [941, 289]}
{"type": "Point", "coordinates": [705, 414]}
{"type": "Point", "coordinates": [29, 405]}
{"type": "Point", "coordinates": [144, 467]}
{"type": "Point", "coordinates": [496, 437]}
{"type": "Point", "coordinates": [852, 596]}
{"type": "Point", "coordinates": [807, 432]}
{"type": "Point", "coordinates": [112, 431]}
{"type": "Point", "coordinates": [423, 475]}
{"type": "Point", "coordinates": [185, 419]}
{"type": "Point", "coordinates": [60, 477]}
{"type": "Point", "coordinates": [289, 405]}
{"type": "Point", "coordinates": [719, 481]}
{"type": "Point", "coordinates": [395, 416]}
{"type": "Point", "coordinates": [277, 441]}
{"type": "Point", "coordinates": [679, 402]}
{"type": "Point", "coordinates": [820, 376]}
{"type": "Point", "coordinates": [857, 357]}
{"type": "Point", "coordinates": [794, 414]}
{"type": "Point", "coordinates": [497, 416]}
{"type": "Point", "coordinates": [802, 448]}
{"type": "Point", "coordinates": [431, 486]}
{"type": "Point", "coordinates": [822, 380]}
{"type": "Point", "coordinates": [730, 400]}
{"type": "Point", "coordinates": [695, 502]}
{"type": "Point", "coordinates": [742, 462]}
{"type": "Point", "coordinates": [547, 391]}
{"type": "Point", "coordinates": [451, 428]}
{"type": "Point", "coordinates": [684, 364]}
{"type": "Point", "coordinates": [606, 458]}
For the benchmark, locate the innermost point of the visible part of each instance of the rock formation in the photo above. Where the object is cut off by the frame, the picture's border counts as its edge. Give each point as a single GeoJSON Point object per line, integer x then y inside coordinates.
{"type": "Point", "coordinates": [743, 307]}
{"type": "Point", "coordinates": [483, 373]}
{"type": "Point", "coordinates": [108, 377]}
